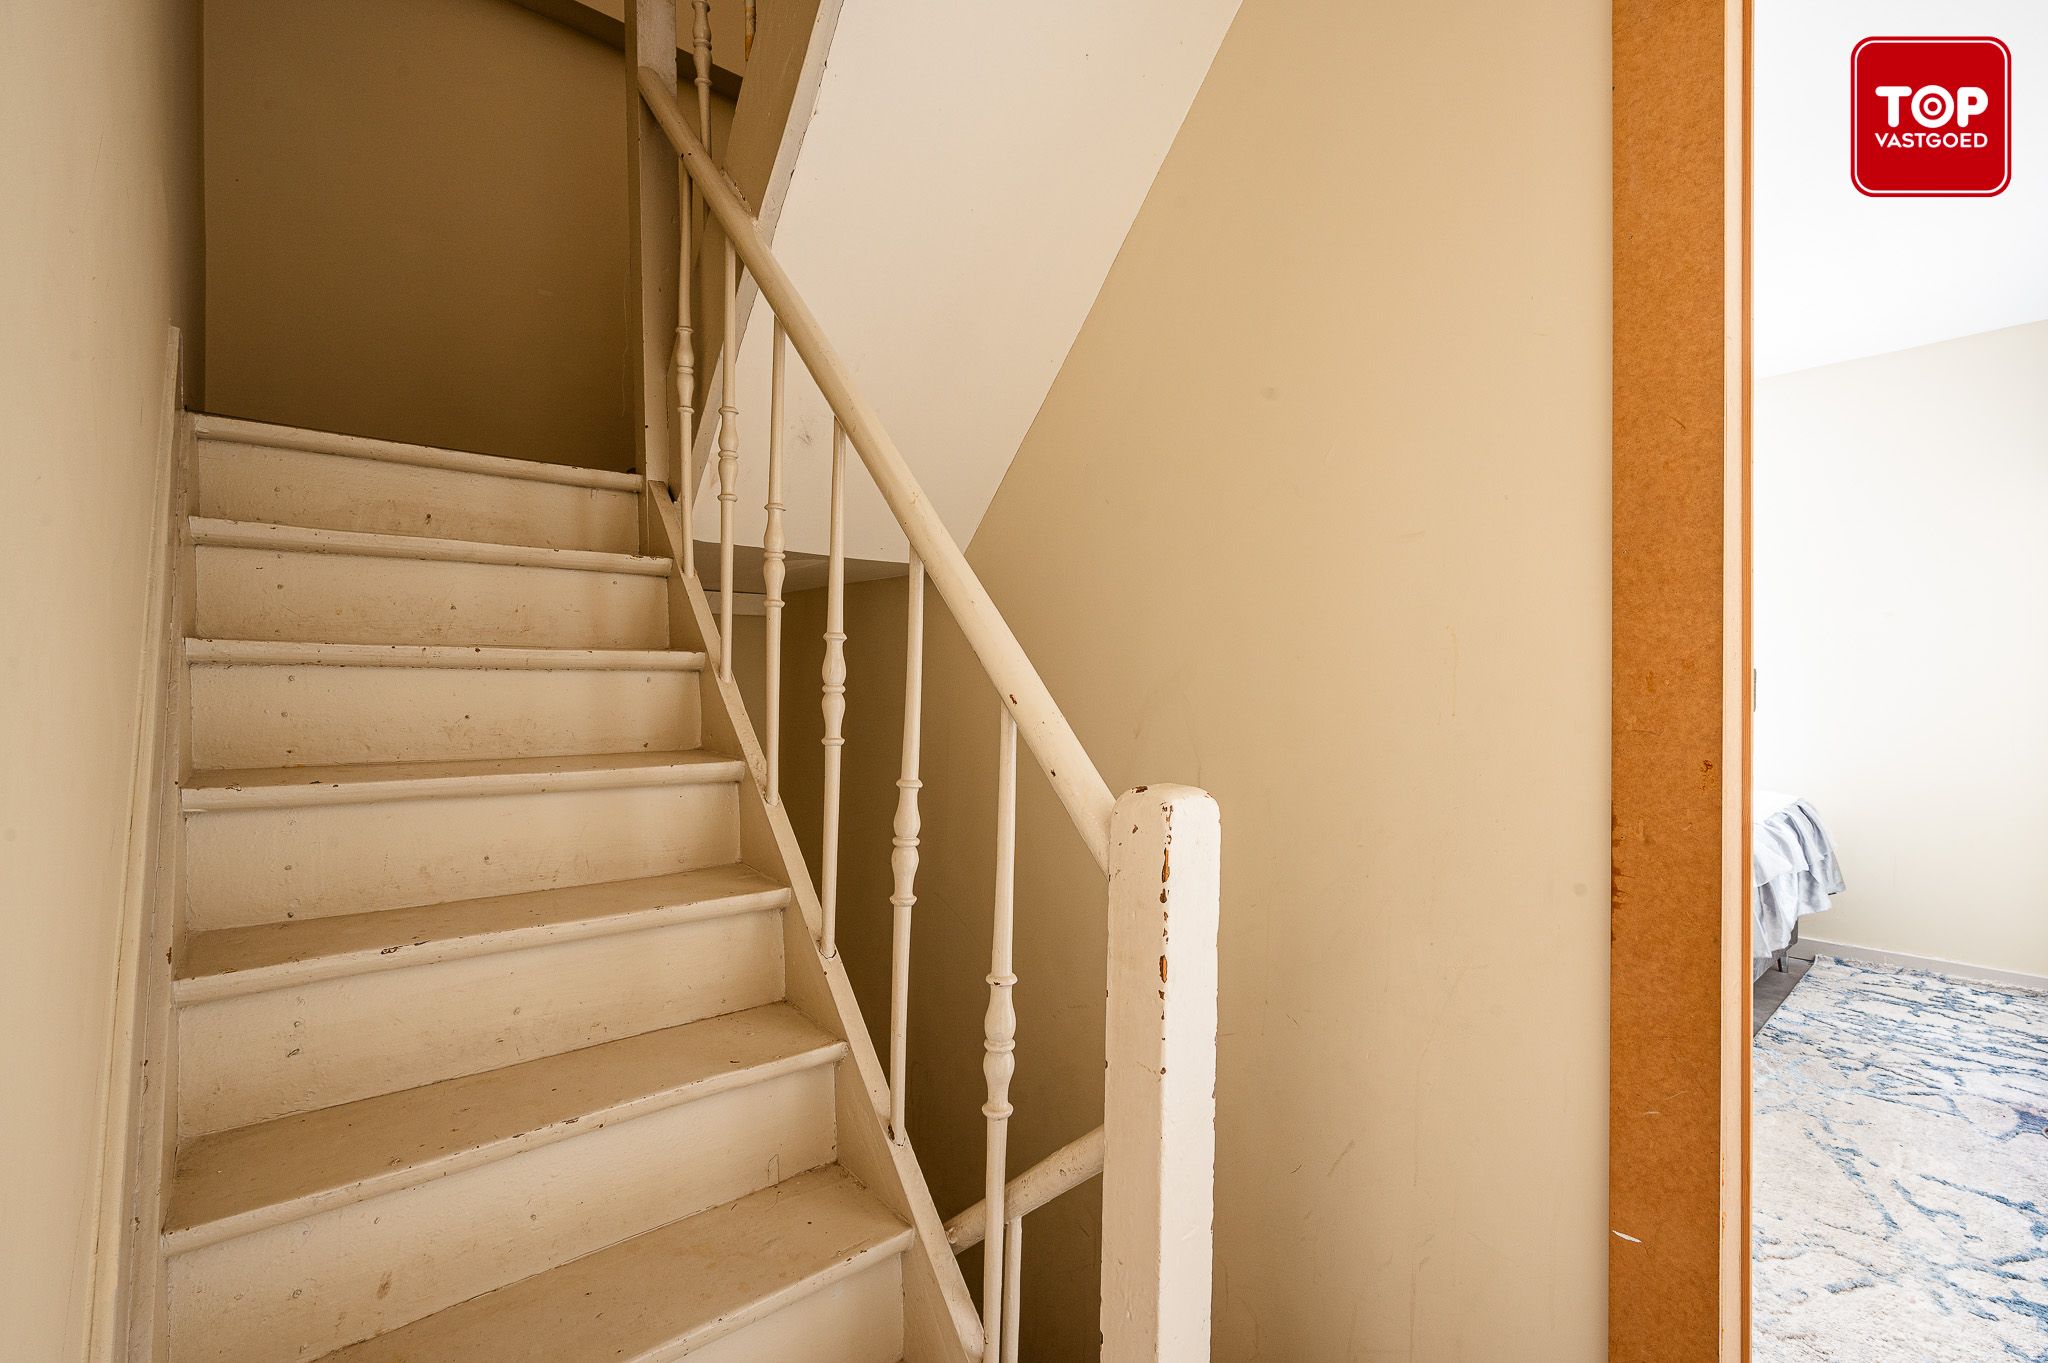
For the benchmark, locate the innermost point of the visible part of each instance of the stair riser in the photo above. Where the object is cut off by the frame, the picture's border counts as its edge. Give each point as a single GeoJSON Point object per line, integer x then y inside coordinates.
{"type": "Point", "coordinates": [267, 865]}
{"type": "Point", "coordinates": [305, 1288]}
{"type": "Point", "coordinates": [342, 598]}
{"type": "Point", "coordinates": [856, 1320]}
{"type": "Point", "coordinates": [283, 1051]}
{"type": "Point", "coordinates": [329, 492]}
{"type": "Point", "coordinates": [279, 716]}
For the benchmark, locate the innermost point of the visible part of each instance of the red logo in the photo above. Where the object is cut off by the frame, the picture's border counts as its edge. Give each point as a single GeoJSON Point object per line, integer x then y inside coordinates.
{"type": "Point", "coordinates": [1930, 116]}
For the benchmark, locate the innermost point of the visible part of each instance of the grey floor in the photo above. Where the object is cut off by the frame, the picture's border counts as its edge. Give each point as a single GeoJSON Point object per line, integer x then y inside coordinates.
{"type": "Point", "coordinates": [1773, 987]}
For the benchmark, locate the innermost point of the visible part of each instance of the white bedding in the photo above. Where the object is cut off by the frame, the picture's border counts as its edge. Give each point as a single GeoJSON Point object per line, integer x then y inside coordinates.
{"type": "Point", "coordinates": [1793, 867]}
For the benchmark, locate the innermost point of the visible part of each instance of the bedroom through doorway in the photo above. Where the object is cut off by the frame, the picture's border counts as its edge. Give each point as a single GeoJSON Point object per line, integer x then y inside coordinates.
{"type": "Point", "coordinates": [1899, 807]}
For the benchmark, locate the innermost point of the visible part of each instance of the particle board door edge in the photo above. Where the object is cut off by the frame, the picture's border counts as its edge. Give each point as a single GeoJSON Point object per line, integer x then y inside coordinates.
{"type": "Point", "coordinates": [1679, 992]}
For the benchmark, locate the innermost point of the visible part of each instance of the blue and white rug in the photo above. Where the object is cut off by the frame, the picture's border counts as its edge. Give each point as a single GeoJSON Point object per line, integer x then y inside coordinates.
{"type": "Point", "coordinates": [1901, 1171]}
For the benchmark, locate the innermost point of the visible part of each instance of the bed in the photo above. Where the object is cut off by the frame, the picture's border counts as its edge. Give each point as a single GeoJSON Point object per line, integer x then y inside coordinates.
{"type": "Point", "coordinates": [1793, 871]}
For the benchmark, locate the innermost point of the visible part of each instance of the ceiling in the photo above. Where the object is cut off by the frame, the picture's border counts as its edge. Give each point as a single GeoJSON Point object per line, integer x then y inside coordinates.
{"type": "Point", "coordinates": [1838, 275]}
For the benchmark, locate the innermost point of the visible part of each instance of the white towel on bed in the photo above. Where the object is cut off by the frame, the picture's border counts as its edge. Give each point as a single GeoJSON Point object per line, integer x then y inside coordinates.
{"type": "Point", "coordinates": [1793, 867]}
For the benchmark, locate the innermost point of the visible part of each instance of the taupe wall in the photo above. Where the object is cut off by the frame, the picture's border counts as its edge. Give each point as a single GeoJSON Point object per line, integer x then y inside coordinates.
{"type": "Point", "coordinates": [1316, 517]}
{"type": "Point", "coordinates": [99, 226]}
{"type": "Point", "coordinates": [416, 225]}
{"type": "Point", "coordinates": [1899, 557]}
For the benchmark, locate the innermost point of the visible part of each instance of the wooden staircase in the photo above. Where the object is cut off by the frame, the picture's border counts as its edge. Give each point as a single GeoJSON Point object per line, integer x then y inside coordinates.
{"type": "Point", "coordinates": [500, 1033]}
{"type": "Point", "coordinates": [503, 1021]}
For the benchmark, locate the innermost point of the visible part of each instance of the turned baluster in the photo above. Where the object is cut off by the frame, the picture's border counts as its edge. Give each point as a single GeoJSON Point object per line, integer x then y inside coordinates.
{"type": "Point", "coordinates": [686, 386]}
{"type": "Point", "coordinates": [1013, 1288]}
{"type": "Point", "coordinates": [700, 49]}
{"type": "Point", "coordinates": [728, 459]}
{"type": "Point", "coordinates": [903, 853]}
{"type": "Point", "coordinates": [772, 556]}
{"type": "Point", "coordinates": [833, 702]}
{"type": "Point", "coordinates": [700, 53]}
{"type": "Point", "coordinates": [999, 1043]}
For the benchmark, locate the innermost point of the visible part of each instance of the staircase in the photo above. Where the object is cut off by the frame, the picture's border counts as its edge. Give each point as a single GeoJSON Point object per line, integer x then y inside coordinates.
{"type": "Point", "coordinates": [486, 1045]}
{"type": "Point", "coordinates": [506, 1023]}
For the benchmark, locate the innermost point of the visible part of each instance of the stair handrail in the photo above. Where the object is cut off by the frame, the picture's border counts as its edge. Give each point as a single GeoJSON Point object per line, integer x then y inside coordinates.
{"type": "Point", "coordinates": [1159, 845]}
{"type": "Point", "coordinates": [1081, 790]}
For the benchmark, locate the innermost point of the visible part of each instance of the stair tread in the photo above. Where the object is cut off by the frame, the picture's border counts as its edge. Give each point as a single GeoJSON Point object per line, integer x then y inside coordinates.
{"type": "Point", "coordinates": [236, 1181]}
{"type": "Point", "coordinates": [291, 653]}
{"type": "Point", "coordinates": [667, 1292]}
{"type": "Point", "coordinates": [228, 961]}
{"type": "Point", "coordinates": [238, 431]}
{"type": "Point", "coordinates": [271, 787]}
{"type": "Point", "coordinates": [209, 531]}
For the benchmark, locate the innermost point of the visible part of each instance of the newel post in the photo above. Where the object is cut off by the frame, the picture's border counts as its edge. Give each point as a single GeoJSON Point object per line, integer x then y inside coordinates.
{"type": "Point", "coordinates": [1159, 1108]}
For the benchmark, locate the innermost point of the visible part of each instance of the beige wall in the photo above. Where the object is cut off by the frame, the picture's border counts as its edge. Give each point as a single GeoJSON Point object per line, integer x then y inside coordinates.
{"type": "Point", "coordinates": [1316, 517]}
{"type": "Point", "coordinates": [416, 225]}
{"type": "Point", "coordinates": [99, 226]}
{"type": "Point", "coordinates": [1899, 562]}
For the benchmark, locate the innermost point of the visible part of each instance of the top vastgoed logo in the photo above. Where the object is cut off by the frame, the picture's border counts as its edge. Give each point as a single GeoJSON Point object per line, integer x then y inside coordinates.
{"type": "Point", "coordinates": [1930, 117]}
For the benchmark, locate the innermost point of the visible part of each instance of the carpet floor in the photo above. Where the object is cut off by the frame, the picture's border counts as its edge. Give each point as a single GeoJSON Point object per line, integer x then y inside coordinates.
{"type": "Point", "coordinates": [1901, 1171]}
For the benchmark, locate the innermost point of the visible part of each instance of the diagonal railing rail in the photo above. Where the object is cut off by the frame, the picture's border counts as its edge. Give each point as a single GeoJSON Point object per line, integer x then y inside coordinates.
{"type": "Point", "coordinates": [1040, 725]}
{"type": "Point", "coordinates": [1159, 846]}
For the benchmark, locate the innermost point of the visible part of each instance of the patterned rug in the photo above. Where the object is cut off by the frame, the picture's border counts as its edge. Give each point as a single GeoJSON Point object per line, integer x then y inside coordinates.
{"type": "Point", "coordinates": [1901, 1171]}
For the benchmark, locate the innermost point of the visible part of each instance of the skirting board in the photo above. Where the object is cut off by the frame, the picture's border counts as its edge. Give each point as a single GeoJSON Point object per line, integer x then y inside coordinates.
{"type": "Point", "coordinates": [1983, 974]}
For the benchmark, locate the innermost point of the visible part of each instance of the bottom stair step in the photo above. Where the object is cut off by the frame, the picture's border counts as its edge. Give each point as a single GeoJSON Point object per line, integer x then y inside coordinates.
{"type": "Point", "coordinates": [807, 1269]}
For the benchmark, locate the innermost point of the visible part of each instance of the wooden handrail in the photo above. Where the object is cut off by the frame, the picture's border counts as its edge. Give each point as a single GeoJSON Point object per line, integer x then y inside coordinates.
{"type": "Point", "coordinates": [1158, 845]}
{"type": "Point", "coordinates": [1065, 1169]}
{"type": "Point", "coordinates": [1044, 729]}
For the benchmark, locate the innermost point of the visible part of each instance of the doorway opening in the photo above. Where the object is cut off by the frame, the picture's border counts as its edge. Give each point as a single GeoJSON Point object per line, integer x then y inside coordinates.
{"type": "Point", "coordinates": [1898, 464]}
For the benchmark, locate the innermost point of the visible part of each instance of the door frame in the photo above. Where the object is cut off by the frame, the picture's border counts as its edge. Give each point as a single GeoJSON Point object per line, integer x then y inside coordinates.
{"type": "Point", "coordinates": [1679, 1078]}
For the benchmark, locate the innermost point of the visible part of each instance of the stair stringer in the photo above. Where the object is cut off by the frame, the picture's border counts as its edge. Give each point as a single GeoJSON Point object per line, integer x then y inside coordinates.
{"type": "Point", "coordinates": [940, 1322]}
{"type": "Point", "coordinates": [135, 1327]}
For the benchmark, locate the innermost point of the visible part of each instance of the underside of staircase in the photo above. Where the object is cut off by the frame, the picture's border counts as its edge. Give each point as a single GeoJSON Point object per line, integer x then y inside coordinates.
{"type": "Point", "coordinates": [499, 1028]}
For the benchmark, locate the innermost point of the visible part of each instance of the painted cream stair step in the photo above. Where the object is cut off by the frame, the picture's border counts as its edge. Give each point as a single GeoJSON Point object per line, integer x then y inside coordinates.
{"type": "Point", "coordinates": [225, 534]}
{"type": "Point", "coordinates": [807, 1269]}
{"type": "Point", "coordinates": [364, 782]}
{"type": "Point", "coordinates": [254, 471]}
{"type": "Point", "coordinates": [235, 1182]}
{"type": "Point", "coordinates": [249, 1058]}
{"type": "Point", "coordinates": [257, 703]}
{"type": "Point", "coordinates": [359, 1267]}
{"type": "Point", "coordinates": [482, 1044]}
{"type": "Point", "coordinates": [230, 962]}
{"type": "Point", "coordinates": [279, 582]}
{"type": "Point", "coordinates": [281, 843]}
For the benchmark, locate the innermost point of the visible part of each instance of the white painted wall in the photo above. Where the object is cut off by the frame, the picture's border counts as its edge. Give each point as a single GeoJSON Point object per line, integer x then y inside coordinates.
{"type": "Point", "coordinates": [968, 177]}
{"type": "Point", "coordinates": [1901, 643]}
{"type": "Point", "coordinates": [1839, 275]}
{"type": "Point", "coordinates": [100, 232]}
{"type": "Point", "coordinates": [1402, 708]}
